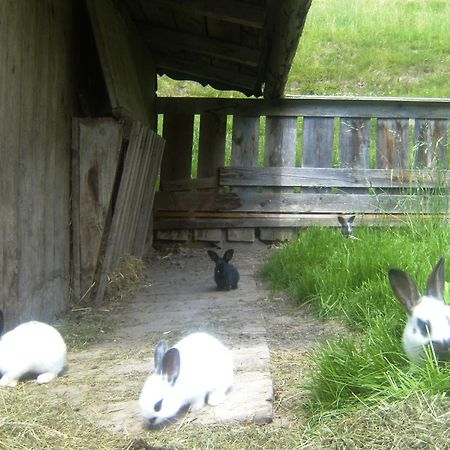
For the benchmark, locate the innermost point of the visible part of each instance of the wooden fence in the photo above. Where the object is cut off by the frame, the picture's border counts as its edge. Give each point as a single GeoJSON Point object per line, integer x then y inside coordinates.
{"type": "Point", "coordinates": [297, 162]}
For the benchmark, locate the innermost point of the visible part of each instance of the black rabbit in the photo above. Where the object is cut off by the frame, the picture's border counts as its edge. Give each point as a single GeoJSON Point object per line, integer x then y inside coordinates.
{"type": "Point", "coordinates": [226, 275]}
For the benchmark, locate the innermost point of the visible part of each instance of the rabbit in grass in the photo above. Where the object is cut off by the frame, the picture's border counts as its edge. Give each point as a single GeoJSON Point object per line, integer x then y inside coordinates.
{"type": "Point", "coordinates": [347, 226]}
{"type": "Point", "coordinates": [428, 315]}
{"type": "Point", "coordinates": [226, 275]}
{"type": "Point", "coordinates": [31, 348]}
{"type": "Point", "coordinates": [196, 370]}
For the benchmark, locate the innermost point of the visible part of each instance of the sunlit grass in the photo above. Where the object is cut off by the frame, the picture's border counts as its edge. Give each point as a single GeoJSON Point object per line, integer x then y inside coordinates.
{"type": "Point", "coordinates": [347, 279]}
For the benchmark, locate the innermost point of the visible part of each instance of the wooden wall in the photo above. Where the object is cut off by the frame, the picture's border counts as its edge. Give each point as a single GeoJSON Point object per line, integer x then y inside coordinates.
{"type": "Point", "coordinates": [298, 162]}
{"type": "Point", "coordinates": [36, 105]}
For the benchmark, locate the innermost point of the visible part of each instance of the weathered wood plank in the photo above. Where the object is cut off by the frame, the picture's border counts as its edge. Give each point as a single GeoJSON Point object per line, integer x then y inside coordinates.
{"type": "Point", "coordinates": [312, 106]}
{"type": "Point", "coordinates": [127, 65]}
{"type": "Point", "coordinates": [431, 143]}
{"type": "Point", "coordinates": [318, 136]}
{"type": "Point", "coordinates": [289, 18]}
{"type": "Point", "coordinates": [144, 230]}
{"type": "Point", "coordinates": [208, 73]}
{"type": "Point", "coordinates": [245, 147]}
{"type": "Point", "coordinates": [299, 202]}
{"type": "Point", "coordinates": [392, 144]}
{"type": "Point", "coordinates": [333, 177]}
{"type": "Point", "coordinates": [355, 143]}
{"type": "Point", "coordinates": [172, 235]}
{"type": "Point", "coordinates": [161, 39]}
{"type": "Point", "coordinates": [133, 204]}
{"type": "Point", "coordinates": [35, 132]}
{"type": "Point", "coordinates": [99, 146]}
{"type": "Point", "coordinates": [211, 152]}
{"type": "Point", "coordinates": [192, 184]}
{"type": "Point", "coordinates": [280, 142]}
{"type": "Point", "coordinates": [178, 133]}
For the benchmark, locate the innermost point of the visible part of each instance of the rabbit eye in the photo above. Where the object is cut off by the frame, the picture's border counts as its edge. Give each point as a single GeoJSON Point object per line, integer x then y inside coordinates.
{"type": "Point", "coordinates": [157, 406]}
{"type": "Point", "coordinates": [424, 327]}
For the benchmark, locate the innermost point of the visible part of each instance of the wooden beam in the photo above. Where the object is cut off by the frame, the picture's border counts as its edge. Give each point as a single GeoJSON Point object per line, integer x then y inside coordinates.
{"type": "Point", "coordinates": [333, 177]}
{"type": "Point", "coordinates": [228, 10]}
{"type": "Point", "coordinates": [163, 40]}
{"type": "Point", "coordinates": [289, 22]}
{"type": "Point", "coordinates": [247, 220]}
{"type": "Point", "coordinates": [209, 73]}
{"type": "Point", "coordinates": [313, 106]}
{"type": "Point", "coordinates": [248, 201]}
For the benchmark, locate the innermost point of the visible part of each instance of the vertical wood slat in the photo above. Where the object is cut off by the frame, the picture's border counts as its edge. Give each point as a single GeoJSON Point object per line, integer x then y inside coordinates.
{"type": "Point", "coordinates": [431, 144]}
{"type": "Point", "coordinates": [245, 153]}
{"type": "Point", "coordinates": [245, 146]}
{"type": "Point", "coordinates": [97, 146]}
{"type": "Point", "coordinates": [35, 171]}
{"type": "Point", "coordinates": [280, 151]}
{"type": "Point", "coordinates": [178, 132]}
{"type": "Point", "coordinates": [392, 144]}
{"type": "Point", "coordinates": [211, 152]}
{"type": "Point", "coordinates": [318, 137]}
{"type": "Point", "coordinates": [354, 144]}
{"type": "Point", "coordinates": [144, 231]}
{"type": "Point", "coordinates": [133, 203]}
{"type": "Point", "coordinates": [211, 156]}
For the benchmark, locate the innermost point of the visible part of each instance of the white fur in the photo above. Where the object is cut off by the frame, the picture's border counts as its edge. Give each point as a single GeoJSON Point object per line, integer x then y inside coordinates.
{"type": "Point", "coordinates": [32, 347]}
{"type": "Point", "coordinates": [206, 368]}
{"type": "Point", "coordinates": [438, 314]}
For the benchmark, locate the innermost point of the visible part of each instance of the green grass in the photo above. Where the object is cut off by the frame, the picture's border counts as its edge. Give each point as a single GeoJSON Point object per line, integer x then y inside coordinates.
{"type": "Point", "coordinates": [360, 47]}
{"type": "Point", "coordinates": [347, 279]}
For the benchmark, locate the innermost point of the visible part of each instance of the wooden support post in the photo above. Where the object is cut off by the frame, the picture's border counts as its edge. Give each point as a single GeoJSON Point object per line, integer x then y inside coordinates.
{"type": "Point", "coordinates": [177, 158]}
{"type": "Point", "coordinates": [245, 153]}
{"type": "Point", "coordinates": [281, 148]}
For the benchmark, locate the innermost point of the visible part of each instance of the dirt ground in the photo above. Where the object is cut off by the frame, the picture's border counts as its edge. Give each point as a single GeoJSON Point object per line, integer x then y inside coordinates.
{"type": "Point", "coordinates": [179, 296]}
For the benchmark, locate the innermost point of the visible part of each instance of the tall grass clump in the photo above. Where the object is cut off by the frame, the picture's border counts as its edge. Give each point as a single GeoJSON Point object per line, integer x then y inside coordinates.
{"type": "Point", "coordinates": [347, 279]}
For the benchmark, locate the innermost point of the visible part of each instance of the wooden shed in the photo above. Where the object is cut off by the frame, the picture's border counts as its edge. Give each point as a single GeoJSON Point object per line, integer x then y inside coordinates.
{"type": "Point", "coordinates": [80, 156]}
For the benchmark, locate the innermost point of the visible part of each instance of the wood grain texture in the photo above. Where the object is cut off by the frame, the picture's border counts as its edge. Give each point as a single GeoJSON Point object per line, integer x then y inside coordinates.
{"type": "Point", "coordinates": [333, 177]}
{"type": "Point", "coordinates": [127, 65]}
{"type": "Point", "coordinates": [312, 106]}
{"type": "Point", "coordinates": [392, 144]}
{"type": "Point", "coordinates": [97, 149]}
{"type": "Point", "coordinates": [431, 144]}
{"type": "Point", "coordinates": [127, 234]}
{"type": "Point", "coordinates": [36, 106]}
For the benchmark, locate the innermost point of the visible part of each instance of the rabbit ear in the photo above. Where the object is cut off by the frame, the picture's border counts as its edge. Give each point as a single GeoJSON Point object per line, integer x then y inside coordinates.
{"type": "Point", "coordinates": [228, 254]}
{"type": "Point", "coordinates": [213, 255]}
{"type": "Point", "coordinates": [351, 219]}
{"type": "Point", "coordinates": [342, 221]}
{"type": "Point", "coordinates": [2, 322]}
{"type": "Point", "coordinates": [160, 350]}
{"type": "Point", "coordinates": [404, 289]}
{"type": "Point", "coordinates": [436, 281]}
{"type": "Point", "coordinates": [171, 365]}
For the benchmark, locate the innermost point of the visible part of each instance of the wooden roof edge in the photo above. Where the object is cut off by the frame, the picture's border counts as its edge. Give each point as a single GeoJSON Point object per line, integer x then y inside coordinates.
{"type": "Point", "coordinates": [289, 23]}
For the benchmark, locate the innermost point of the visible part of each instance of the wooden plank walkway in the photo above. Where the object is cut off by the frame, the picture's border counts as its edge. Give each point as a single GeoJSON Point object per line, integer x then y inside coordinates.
{"type": "Point", "coordinates": [183, 299]}
{"type": "Point", "coordinates": [180, 299]}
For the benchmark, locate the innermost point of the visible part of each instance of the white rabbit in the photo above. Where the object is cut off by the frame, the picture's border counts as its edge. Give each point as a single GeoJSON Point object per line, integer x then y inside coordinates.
{"type": "Point", "coordinates": [195, 371]}
{"type": "Point", "coordinates": [428, 315]}
{"type": "Point", "coordinates": [31, 348]}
